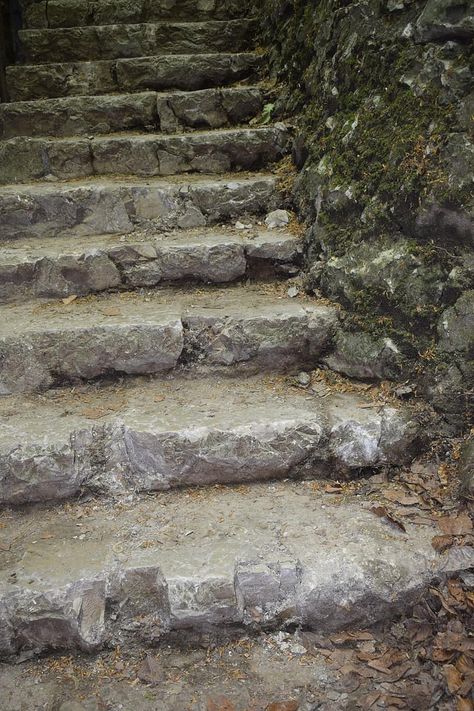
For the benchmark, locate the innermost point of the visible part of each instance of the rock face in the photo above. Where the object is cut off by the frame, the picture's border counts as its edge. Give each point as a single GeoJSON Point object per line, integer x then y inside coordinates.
{"type": "Point", "coordinates": [385, 156]}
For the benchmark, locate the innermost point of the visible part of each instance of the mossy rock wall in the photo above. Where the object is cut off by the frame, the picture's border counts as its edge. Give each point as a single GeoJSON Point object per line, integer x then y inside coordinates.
{"type": "Point", "coordinates": [381, 96]}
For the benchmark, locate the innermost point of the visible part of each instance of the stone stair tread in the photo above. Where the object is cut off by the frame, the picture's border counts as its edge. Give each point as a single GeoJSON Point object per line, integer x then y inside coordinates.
{"type": "Point", "coordinates": [153, 306]}
{"type": "Point", "coordinates": [74, 13]}
{"type": "Point", "coordinates": [166, 111]}
{"type": "Point", "coordinates": [103, 77]}
{"type": "Point", "coordinates": [107, 204]}
{"type": "Point", "coordinates": [81, 577]}
{"type": "Point", "coordinates": [234, 329]}
{"type": "Point", "coordinates": [47, 45]}
{"type": "Point", "coordinates": [154, 434]}
{"type": "Point", "coordinates": [218, 151]}
{"type": "Point", "coordinates": [59, 267]}
{"type": "Point", "coordinates": [25, 250]}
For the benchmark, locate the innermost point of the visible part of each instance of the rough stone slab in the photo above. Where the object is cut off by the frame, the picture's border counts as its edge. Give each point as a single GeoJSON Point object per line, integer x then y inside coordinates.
{"type": "Point", "coordinates": [185, 72]}
{"type": "Point", "coordinates": [58, 268]}
{"type": "Point", "coordinates": [49, 343]}
{"type": "Point", "coordinates": [136, 40]}
{"type": "Point", "coordinates": [24, 159]}
{"type": "Point", "coordinates": [49, 349]}
{"type": "Point", "coordinates": [267, 556]}
{"type": "Point", "coordinates": [161, 434]}
{"type": "Point", "coordinates": [166, 112]}
{"type": "Point", "coordinates": [74, 13]}
{"type": "Point", "coordinates": [107, 206]}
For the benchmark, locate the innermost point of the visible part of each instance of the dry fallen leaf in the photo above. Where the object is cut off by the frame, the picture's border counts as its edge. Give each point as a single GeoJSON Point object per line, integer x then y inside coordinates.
{"type": "Point", "coordinates": [389, 518]}
{"type": "Point", "coordinates": [453, 678]}
{"type": "Point", "coordinates": [151, 671]}
{"type": "Point", "coordinates": [442, 543]}
{"type": "Point", "coordinates": [111, 311]}
{"type": "Point", "coordinates": [400, 497]}
{"type": "Point", "coordinates": [456, 525]}
{"type": "Point", "coordinates": [464, 705]}
{"type": "Point", "coordinates": [95, 413]}
{"type": "Point", "coordinates": [69, 299]}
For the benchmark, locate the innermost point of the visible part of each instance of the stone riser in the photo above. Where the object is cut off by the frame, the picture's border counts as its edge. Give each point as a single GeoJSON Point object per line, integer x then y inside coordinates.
{"type": "Point", "coordinates": [76, 13]}
{"type": "Point", "coordinates": [125, 41]}
{"type": "Point", "coordinates": [41, 348]}
{"type": "Point", "coordinates": [26, 159]}
{"type": "Point", "coordinates": [138, 449]}
{"type": "Point", "coordinates": [184, 72]}
{"type": "Point", "coordinates": [150, 111]}
{"type": "Point", "coordinates": [119, 207]}
{"type": "Point", "coordinates": [258, 561]}
{"type": "Point", "coordinates": [97, 268]}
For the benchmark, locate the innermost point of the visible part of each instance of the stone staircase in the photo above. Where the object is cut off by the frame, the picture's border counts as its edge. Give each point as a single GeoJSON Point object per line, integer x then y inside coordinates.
{"type": "Point", "coordinates": [146, 344]}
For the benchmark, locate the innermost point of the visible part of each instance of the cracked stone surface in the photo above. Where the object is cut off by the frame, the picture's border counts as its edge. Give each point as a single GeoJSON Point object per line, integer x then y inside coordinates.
{"type": "Point", "coordinates": [166, 112]}
{"type": "Point", "coordinates": [165, 433]}
{"type": "Point", "coordinates": [256, 557]}
{"type": "Point", "coordinates": [71, 13]}
{"type": "Point", "coordinates": [108, 206]}
{"type": "Point", "coordinates": [55, 267]}
{"type": "Point", "coordinates": [135, 40]}
{"type": "Point", "coordinates": [185, 72]}
{"type": "Point", "coordinates": [26, 159]}
{"type": "Point", "coordinates": [42, 344]}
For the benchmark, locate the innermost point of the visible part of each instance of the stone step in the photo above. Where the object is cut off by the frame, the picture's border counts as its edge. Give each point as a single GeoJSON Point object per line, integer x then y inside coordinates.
{"type": "Point", "coordinates": [235, 330]}
{"type": "Point", "coordinates": [149, 435]}
{"type": "Point", "coordinates": [268, 556]}
{"type": "Point", "coordinates": [76, 13]}
{"type": "Point", "coordinates": [219, 151]}
{"type": "Point", "coordinates": [111, 206]}
{"type": "Point", "coordinates": [166, 112]}
{"type": "Point", "coordinates": [57, 267]}
{"type": "Point", "coordinates": [185, 72]}
{"type": "Point", "coordinates": [119, 41]}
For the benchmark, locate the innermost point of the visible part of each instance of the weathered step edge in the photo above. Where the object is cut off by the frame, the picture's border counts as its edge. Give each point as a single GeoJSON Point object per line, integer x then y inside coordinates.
{"type": "Point", "coordinates": [111, 207]}
{"type": "Point", "coordinates": [78, 13]}
{"type": "Point", "coordinates": [142, 40]}
{"type": "Point", "coordinates": [135, 450]}
{"type": "Point", "coordinates": [185, 72]}
{"type": "Point", "coordinates": [150, 111]}
{"type": "Point", "coordinates": [355, 582]}
{"type": "Point", "coordinates": [129, 264]}
{"type": "Point", "coordinates": [219, 151]}
{"type": "Point", "coordinates": [273, 337]}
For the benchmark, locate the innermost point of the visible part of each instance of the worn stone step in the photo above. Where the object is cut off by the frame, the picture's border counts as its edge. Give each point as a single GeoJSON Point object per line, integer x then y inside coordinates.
{"type": "Point", "coordinates": [111, 206]}
{"type": "Point", "coordinates": [237, 558]}
{"type": "Point", "coordinates": [185, 72]}
{"type": "Point", "coordinates": [235, 330]}
{"type": "Point", "coordinates": [166, 112]}
{"type": "Point", "coordinates": [149, 435]}
{"type": "Point", "coordinates": [57, 267]}
{"type": "Point", "coordinates": [142, 40]}
{"type": "Point", "coordinates": [75, 13]}
{"type": "Point", "coordinates": [219, 151]}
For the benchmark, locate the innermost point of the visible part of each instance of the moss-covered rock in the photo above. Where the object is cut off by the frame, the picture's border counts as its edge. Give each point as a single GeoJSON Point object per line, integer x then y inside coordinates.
{"type": "Point", "coordinates": [381, 95]}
